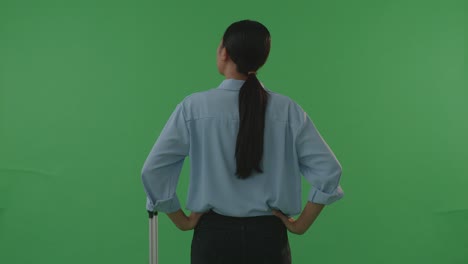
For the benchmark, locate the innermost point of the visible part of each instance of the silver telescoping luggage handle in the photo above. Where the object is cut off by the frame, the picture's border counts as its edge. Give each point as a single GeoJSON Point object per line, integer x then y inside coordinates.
{"type": "Point", "coordinates": [153, 237]}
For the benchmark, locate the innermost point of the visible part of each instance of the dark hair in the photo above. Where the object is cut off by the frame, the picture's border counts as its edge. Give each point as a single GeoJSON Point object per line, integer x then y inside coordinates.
{"type": "Point", "coordinates": [247, 43]}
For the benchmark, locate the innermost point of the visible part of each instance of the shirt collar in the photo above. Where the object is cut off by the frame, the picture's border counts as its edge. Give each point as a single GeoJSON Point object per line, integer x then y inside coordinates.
{"type": "Point", "coordinates": [234, 84]}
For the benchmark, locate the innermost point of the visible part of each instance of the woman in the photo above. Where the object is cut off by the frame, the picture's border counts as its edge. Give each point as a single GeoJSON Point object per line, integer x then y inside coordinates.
{"type": "Point", "coordinates": [248, 147]}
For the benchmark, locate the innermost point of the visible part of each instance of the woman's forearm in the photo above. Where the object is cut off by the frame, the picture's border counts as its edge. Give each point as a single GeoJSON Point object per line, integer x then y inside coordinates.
{"type": "Point", "coordinates": [178, 218]}
{"type": "Point", "coordinates": [309, 214]}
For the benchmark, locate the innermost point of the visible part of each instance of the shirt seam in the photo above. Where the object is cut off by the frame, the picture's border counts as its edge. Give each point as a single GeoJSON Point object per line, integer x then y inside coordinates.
{"type": "Point", "coordinates": [185, 124]}
{"type": "Point", "coordinates": [301, 125]}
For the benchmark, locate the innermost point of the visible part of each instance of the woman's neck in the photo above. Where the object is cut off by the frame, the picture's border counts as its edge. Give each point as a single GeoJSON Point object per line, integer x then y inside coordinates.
{"type": "Point", "coordinates": [230, 72]}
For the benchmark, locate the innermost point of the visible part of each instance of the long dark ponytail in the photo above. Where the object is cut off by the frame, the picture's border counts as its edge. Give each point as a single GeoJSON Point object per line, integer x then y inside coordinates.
{"type": "Point", "coordinates": [248, 44]}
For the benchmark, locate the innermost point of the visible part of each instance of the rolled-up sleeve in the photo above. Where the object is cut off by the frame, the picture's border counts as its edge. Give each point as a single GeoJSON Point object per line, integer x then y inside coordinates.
{"type": "Point", "coordinates": [161, 170]}
{"type": "Point", "coordinates": [318, 163]}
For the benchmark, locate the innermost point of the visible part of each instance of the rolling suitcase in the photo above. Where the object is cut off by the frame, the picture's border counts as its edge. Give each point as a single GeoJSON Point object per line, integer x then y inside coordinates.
{"type": "Point", "coordinates": [153, 237]}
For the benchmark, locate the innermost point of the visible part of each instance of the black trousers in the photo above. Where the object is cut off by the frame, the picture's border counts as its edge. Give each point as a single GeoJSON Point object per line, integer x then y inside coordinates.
{"type": "Point", "coordinates": [220, 239]}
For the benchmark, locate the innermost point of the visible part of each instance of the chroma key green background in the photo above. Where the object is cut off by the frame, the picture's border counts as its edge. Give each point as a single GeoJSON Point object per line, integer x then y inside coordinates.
{"type": "Point", "coordinates": [86, 87]}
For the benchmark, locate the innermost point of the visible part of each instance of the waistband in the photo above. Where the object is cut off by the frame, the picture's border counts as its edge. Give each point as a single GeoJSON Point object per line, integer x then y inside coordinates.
{"type": "Point", "coordinates": [245, 218]}
{"type": "Point", "coordinates": [262, 222]}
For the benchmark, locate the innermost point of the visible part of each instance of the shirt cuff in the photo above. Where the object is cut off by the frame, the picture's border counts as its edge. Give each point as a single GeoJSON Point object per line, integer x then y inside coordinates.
{"type": "Point", "coordinates": [166, 206]}
{"type": "Point", "coordinates": [319, 197]}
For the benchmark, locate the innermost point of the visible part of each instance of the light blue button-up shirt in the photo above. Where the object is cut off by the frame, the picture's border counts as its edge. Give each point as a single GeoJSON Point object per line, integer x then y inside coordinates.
{"type": "Point", "coordinates": [204, 127]}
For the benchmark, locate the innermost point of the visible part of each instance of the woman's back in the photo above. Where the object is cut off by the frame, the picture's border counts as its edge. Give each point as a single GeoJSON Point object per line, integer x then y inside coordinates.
{"type": "Point", "coordinates": [212, 120]}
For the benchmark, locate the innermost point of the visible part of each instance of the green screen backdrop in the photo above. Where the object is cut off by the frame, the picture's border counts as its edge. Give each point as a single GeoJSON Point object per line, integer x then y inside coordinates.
{"type": "Point", "coordinates": [87, 86]}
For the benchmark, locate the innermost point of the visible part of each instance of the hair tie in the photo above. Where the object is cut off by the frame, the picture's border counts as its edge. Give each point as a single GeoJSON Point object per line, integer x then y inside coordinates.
{"type": "Point", "coordinates": [251, 72]}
